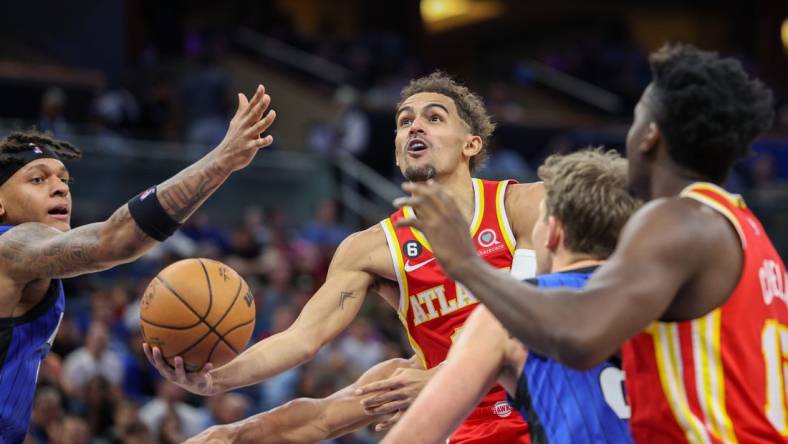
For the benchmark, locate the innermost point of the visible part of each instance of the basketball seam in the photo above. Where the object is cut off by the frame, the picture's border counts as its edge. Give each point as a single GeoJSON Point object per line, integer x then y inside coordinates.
{"type": "Point", "coordinates": [183, 301]}
{"type": "Point", "coordinates": [226, 312]}
{"type": "Point", "coordinates": [210, 289]}
{"type": "Point", "coordinates": [171, 327]}
{"type": "Point", "coordinates": [210, 299]}
{"type": "Point", "coordinates": [191, 346]}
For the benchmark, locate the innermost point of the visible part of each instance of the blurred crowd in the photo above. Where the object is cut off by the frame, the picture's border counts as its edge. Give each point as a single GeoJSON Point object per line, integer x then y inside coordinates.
{"type": "Point", "coordinates": [96, 385]}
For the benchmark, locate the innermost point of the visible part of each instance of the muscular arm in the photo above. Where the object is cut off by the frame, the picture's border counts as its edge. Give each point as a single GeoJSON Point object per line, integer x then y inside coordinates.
{"type": "Point", "coordinates": [327, 313]}
{"type": "Point", "coordinates": [659, 250]}
{"type": "Point", "coordinates": [33, 250]}
{"type": "Point", "coordinates": [307, 420]}
{"type": "Point", "coordinates": [474, 363]}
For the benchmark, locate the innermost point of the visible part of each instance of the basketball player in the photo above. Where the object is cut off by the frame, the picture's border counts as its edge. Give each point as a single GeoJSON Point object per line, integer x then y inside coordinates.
{"type": "Point", "coordinates": [38, 246]}
{"type": "Point", "coordinates": [306, 420]}
{"type": "Point", "coordinates": [442, 130]}
{"type": "Point", "coordinates": [695, 287]}
{"type": "Point", "coordinates": [571, 238]}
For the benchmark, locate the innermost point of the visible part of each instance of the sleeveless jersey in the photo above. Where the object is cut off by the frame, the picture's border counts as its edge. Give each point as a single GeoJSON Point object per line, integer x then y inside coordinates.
{"type": "Point", "coordinates": [24, 342]}
{"type": "Point", "coordinates": [721, 377]}
{"type": "Point", "coordinates": [433, 307]}
{"type": "Point", "coordinates": [567, 406]}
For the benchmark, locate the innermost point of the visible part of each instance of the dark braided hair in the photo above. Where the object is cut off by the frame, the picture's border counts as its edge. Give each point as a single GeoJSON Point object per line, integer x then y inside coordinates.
{"type": "Point", "coordinates": [19, 141]}
{"type": "Point", "coordinates": [708, 109]}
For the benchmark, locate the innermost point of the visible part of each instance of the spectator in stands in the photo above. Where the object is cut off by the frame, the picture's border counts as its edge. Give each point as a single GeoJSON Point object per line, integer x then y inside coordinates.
{"type": "Point", "coordinates": [93, 359]}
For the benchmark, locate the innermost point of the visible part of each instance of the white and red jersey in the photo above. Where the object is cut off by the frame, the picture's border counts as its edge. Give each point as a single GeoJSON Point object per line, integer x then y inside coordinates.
{"type": "Point", "coordinates": [434, 308]}
{"type": "Point", "coordinates": [720, 378]}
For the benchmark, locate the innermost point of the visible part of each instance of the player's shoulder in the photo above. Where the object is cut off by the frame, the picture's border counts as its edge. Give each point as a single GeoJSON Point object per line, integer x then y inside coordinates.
{"type": "Point", "coordinates": [364, 249]}
{"type": "Point", "coordinates": [676, 221]}
{"type": "Point", "coordinates": [522, 206]}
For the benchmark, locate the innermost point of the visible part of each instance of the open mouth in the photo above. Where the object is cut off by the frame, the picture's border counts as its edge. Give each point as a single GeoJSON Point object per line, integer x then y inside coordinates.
{"type": "Point", "coordinates": [417, 146]}
{"type": "Point", "coordinates": [59, 211]}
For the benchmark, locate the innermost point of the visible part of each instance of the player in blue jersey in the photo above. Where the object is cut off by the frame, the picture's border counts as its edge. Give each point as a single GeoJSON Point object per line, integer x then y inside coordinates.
{"type": "Point", "coordinates": [585, 206]}
{"type": "Point", "coordinates": [38, 246]}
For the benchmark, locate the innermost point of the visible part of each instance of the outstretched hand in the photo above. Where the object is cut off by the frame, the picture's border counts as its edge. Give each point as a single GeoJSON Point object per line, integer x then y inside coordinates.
{"type": "Point", "coordinates": [244, 136]}
{"type": "Point", "coordinates": [439, 218]}
{"type": "Point", "coordinates": [200, 383]}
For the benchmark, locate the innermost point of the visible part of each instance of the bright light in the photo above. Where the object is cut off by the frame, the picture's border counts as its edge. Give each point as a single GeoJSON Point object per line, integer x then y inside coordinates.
{"type": "Point", "coordinates": [436, 10]}
{"type": "Point", "coordinates": [784, 34]}
{"type": "Point", "coordinates": [442, 15]}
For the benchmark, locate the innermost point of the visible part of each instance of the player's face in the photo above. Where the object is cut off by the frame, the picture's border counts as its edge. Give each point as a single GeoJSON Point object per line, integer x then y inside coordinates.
{"type": "Point", "coordinates": [38, 192]}
{"type": "Point", "coordinates": [539, 240]}
{"type": "Point", "coordinates": [641, 139]}
{"type": "Point", "coordinates": [431, 137]}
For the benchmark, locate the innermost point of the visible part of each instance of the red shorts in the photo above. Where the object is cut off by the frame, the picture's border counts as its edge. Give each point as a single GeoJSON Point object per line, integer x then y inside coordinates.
{"type": "Point", "coordinates": [491, 425]}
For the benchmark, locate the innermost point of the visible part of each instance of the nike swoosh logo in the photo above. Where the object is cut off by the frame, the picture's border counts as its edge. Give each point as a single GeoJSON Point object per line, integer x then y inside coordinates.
{"type": "Point", "coordinates": [412, 267]}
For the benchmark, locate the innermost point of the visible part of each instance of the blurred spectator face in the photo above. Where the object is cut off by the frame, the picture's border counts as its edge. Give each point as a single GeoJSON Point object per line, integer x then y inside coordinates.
{"type": "Point", "coordinates": [97, 339]}
{"type": "Point", "coordinates": [230, 407]}
{"type": "Point", "coordinates": [284, 316]}
{"type": "Point", "coordinates": [169, 392]}
{"type": "Point", "coordinates": [101, 308]}
{"type": "Point", "coordinates": [53, 102]}
{"type": "Point", "coordinates": [72, 430]}
{"type": "Point", "coordinates": [97, 391]}
{"type": "Point", "coordinates": [327, 213]}
{"type": "Point", "coordinates": [51, 369]}
{"type": "Point", "coordinates": [136, 433]}
{"type": "Point", "coordinates": [68, 337]}
{"type": "Point", "coordinates": [47, 406]}
{"type": "Point", "coordinates": [126, 415]}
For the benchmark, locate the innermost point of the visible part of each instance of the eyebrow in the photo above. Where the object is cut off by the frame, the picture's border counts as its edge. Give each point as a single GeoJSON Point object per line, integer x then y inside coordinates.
{"type": "Point", "coordinates": [430, 105]}
{"type": "Point", "coordinates": [46, 169]}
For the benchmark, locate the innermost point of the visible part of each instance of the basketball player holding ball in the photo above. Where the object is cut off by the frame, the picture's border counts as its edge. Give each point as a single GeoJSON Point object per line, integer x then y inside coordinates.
{"type": "Point", "coordinates": [38, 246]}
{"type": "Point", "coordinates": [442, 130]}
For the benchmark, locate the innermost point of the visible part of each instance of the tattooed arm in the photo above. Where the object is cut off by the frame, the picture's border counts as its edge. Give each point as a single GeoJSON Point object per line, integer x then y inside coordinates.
{"type": "Point", "coordinates": [330, 310]}
{"type": "Point", "coordinates": [33, 250]}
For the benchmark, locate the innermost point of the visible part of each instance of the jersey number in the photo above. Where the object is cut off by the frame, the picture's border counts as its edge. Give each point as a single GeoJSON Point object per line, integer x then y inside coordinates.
{"type": "Point", "coordinates": [611, 381]}
{"type": "Point", "coordinates": [774, 343]}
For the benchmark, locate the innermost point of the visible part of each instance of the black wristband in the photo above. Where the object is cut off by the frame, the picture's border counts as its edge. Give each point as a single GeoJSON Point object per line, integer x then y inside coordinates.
{"type": "Point", "coordinates": [147, 212]}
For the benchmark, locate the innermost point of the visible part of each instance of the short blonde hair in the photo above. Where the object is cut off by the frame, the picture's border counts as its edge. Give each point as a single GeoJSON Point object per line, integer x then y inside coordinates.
{"type": "Point", "coordinates": [587, 192]}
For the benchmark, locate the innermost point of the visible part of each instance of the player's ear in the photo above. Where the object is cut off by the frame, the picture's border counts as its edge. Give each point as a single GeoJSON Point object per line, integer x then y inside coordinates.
{"type": "Point", "coordinates": [473, 145]}
{"type": "Point", "coordinates": [555, 233]}
{"type": "Point", "coordinates": [651, 139]}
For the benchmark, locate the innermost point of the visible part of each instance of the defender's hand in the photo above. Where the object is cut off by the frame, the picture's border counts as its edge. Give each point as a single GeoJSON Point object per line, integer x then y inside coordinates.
{"type": "Point", "coordinates": [199, 383]}
{"type": "Point", "coordinates": [439, 218]}
{"type": "Point", "coordinates": [393, 394]}
{"type": "Point", "coordinates": [244, 136]}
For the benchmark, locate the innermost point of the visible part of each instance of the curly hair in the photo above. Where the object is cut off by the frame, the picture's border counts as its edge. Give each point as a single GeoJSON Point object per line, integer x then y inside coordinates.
{"type": "Point", "coordinates": [18, 141]}
{"type": "Point", "coordinates": [708, 109]}
{"type": "Point", "coordinates": [470, 107]}
{"type": "Point", "coordinates": [587, 192]}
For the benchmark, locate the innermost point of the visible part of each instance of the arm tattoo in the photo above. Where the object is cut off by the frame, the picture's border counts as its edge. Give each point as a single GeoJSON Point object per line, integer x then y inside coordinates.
{"type": "Point", "coordinates": [184, 193]}
{"type": "Point", "coordinates": [32, 250]}
{"type": "Point", "coordinates": [344, 295]}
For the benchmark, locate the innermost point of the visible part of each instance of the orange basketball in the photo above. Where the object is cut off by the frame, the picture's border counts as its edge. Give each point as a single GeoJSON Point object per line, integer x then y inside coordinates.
{"type": "Point", "coordinates": [200, 310]}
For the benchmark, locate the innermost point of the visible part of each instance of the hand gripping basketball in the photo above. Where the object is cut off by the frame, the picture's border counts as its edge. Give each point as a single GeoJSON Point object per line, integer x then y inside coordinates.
{"type": "Point", "coordinates": [199, 383]}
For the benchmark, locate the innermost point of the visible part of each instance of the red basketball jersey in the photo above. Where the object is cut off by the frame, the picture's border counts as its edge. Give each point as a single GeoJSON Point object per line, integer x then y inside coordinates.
{"type": "Point", "coordinates": [721, 377]}
{"type": "Point", "coordinates": [434, 308]}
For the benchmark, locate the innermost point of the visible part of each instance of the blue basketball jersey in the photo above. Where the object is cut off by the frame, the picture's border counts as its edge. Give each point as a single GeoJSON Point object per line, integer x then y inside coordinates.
{"type": "Point", "coordinates": [567, 406]}
{"type": "Point", "coordinates": [24, 342]}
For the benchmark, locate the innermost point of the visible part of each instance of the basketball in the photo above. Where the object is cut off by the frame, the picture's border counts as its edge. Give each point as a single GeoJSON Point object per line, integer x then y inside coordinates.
{"type": "Point", "coordinates": [199, 309]}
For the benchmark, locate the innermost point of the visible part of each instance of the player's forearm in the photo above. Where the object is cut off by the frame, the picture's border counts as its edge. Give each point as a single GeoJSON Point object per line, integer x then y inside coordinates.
{"type": "Point", "coordinates": [183, 193]}
{"type": "Point", "coordinates": [263, 360]}
{"type": "Point", "coordinates": [555, 322]}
